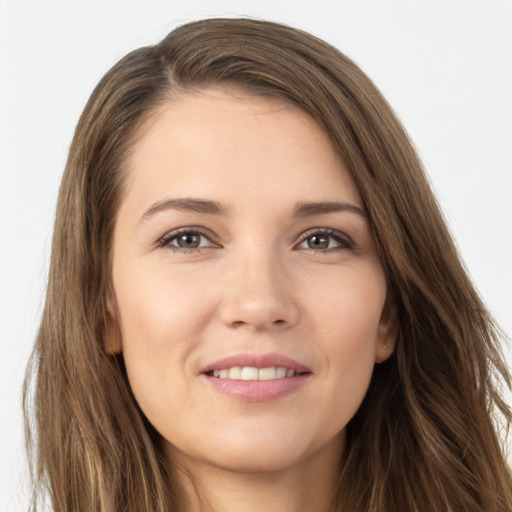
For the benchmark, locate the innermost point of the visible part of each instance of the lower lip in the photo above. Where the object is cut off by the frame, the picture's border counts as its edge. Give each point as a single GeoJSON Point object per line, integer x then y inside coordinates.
{"type": "Point", "coordinates": [257, 390]}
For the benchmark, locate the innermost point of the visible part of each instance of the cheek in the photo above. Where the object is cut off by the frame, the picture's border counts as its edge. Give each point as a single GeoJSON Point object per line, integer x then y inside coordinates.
{"type": "Point", "coordinates": [346, 319]}
{"type": "Point", "coordinates": [346, 308]}
{"type": "Point", "coordinates": [158, 307]}
{"type": "Point", "coordinates": [161, 321]}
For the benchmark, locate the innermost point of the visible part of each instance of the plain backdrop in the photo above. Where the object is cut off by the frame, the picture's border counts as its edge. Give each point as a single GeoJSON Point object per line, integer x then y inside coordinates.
{"type": "Point", "coordinates": [444, 65]}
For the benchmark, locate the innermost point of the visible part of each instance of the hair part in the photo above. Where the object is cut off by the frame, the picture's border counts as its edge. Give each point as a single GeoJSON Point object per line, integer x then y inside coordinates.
{"type": "Point", "coordinates": [424, 437]}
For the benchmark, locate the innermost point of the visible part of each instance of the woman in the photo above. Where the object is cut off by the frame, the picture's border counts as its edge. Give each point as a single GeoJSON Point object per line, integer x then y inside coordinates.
{"type": "Point", "coordinates": [253, 301]}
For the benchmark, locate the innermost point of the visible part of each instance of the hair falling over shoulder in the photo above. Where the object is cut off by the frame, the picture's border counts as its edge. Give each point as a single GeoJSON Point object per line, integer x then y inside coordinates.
{"type": "Point", "coordinates": [427, 436]}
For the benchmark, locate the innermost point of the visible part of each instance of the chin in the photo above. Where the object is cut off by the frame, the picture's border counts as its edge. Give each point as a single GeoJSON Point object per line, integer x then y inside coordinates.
{"type": "Point", "coordinates": [258, 458]}
{"type": "Point", "coordinates": [262, 450]}
{"type": "Point", "coordinates": [255, 463]}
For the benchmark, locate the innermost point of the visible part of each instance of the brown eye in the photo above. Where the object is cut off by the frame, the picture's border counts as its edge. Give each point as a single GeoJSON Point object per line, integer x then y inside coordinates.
{"type": "Point", "coordinates": [188, 240]}
{"type": "Point", "coordinates": [318, 241]}
{"type": "Point", "coordinates": [325, 240]}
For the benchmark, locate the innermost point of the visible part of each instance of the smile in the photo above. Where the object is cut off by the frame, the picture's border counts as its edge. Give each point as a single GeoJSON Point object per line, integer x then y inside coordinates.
{"type": "Point", "coordinates": [252, 373]}
{"type": "Point", "coordinates": [256, 378]}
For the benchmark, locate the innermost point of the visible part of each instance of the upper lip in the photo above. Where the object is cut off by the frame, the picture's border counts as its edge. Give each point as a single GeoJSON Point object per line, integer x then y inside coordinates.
{"type": "Point", "coordinates": [256, 361]}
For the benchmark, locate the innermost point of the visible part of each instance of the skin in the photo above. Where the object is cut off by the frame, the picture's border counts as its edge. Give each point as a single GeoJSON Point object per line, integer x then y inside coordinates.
{"type": "Point", "coordinates": [253, 286]}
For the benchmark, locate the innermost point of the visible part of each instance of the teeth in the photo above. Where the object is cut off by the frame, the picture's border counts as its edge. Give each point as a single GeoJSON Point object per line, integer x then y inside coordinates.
{"type": "Point", "coordinates": [267, 374]}
{"type": "Point", "coordinates": [235, 373]}
{"type": "Point", "coordinates": [251, 373]}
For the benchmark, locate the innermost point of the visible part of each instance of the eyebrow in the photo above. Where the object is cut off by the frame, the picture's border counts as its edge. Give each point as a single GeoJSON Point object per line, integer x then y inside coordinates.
{"type": "Point", "coordinates": [215, 208]}
{"type": "Point", "coordinates": [309, 209]}
{"type": "Point", "coordinates": [187, 204]}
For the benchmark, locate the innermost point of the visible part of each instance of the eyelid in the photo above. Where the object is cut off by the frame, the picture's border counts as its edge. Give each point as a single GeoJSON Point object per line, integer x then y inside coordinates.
{"type": "Point", "coordinates": [342, 238]}
{"type": "Point", "coordinates": [164, 241]}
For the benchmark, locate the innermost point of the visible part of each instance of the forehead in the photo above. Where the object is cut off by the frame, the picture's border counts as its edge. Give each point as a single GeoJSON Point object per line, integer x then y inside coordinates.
{"type": "Point", "coordinates": [234, 146]}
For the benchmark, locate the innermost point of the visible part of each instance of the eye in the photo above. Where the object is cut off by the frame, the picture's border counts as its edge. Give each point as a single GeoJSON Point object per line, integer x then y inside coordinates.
{"type": "Point", "coordinates": [186, 239]}
{"type": "Point", "coordinates": [325, 240]}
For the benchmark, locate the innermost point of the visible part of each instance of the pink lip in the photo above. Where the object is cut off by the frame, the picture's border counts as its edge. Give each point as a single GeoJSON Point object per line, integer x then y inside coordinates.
{"type": "Point", "coordinates": [257, 390]}
{"type": "Point", "coordinates": [257, 361]}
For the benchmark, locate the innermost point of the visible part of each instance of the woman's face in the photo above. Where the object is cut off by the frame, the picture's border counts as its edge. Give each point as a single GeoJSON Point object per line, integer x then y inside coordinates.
{"type": "Point", "coordinates": [248, 291]}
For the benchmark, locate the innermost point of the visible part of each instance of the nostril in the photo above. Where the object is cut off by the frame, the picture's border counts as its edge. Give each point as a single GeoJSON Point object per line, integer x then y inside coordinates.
{"type": "Point", "coordinates": [258, 311]}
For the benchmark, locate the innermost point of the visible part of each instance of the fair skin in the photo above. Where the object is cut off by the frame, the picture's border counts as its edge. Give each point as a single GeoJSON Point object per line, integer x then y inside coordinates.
{"type": "Point", "coordinates": [273, 266]}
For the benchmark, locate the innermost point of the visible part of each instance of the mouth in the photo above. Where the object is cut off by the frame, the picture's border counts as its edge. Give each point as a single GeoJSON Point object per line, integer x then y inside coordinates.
{"type": "Point", "coordinates": [256, 378]}
{"type": "Point", "coordinates": [252, 373]}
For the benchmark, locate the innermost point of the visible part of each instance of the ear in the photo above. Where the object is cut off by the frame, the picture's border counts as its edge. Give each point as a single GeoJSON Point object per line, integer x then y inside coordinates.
{"type": "Point", "coordinates": [387, 333]}
{"type": "Point", "coordinates": [112, 341]}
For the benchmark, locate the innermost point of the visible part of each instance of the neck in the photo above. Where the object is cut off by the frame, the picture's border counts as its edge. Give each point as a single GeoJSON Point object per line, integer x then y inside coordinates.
{"type": "Point", "coordinates": [308, 485]}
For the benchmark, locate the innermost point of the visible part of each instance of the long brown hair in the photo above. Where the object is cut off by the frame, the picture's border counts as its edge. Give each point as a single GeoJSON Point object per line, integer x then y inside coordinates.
{"type": "Point", "coordinates": [425, 437]}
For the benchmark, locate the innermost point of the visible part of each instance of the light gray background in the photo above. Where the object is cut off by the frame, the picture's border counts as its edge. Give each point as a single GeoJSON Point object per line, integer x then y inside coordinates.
{"type": "Point", "coordinates": [445, 66]}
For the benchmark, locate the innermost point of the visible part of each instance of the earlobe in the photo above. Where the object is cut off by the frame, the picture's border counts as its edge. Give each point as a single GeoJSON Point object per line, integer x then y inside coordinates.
{"type": "Point", "coordinates": [112, 342]}
{"type": "Point", "coordinates": [387, 334]}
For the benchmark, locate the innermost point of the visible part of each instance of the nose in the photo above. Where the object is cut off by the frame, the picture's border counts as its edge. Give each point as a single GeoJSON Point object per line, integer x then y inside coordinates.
{"type": "Point", "coordinates": [259, 293]}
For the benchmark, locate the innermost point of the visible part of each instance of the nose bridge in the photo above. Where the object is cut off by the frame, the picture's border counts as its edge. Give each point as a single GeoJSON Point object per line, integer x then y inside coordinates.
{"type": "Point", "coordinates": [259, 289]}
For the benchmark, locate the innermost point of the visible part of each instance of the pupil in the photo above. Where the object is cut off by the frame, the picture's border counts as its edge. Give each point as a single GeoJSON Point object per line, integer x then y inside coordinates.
{"type": "Point", "coordinates": [189, 241]}
{"type": "Point", "coordinates": [318, 242]}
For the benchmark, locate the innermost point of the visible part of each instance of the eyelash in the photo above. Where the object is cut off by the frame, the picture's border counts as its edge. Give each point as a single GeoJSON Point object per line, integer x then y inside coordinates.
{"type": "Point", "coordinates": [344, 241]}
{"type": "Point", "coordinates": [165, 241]}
